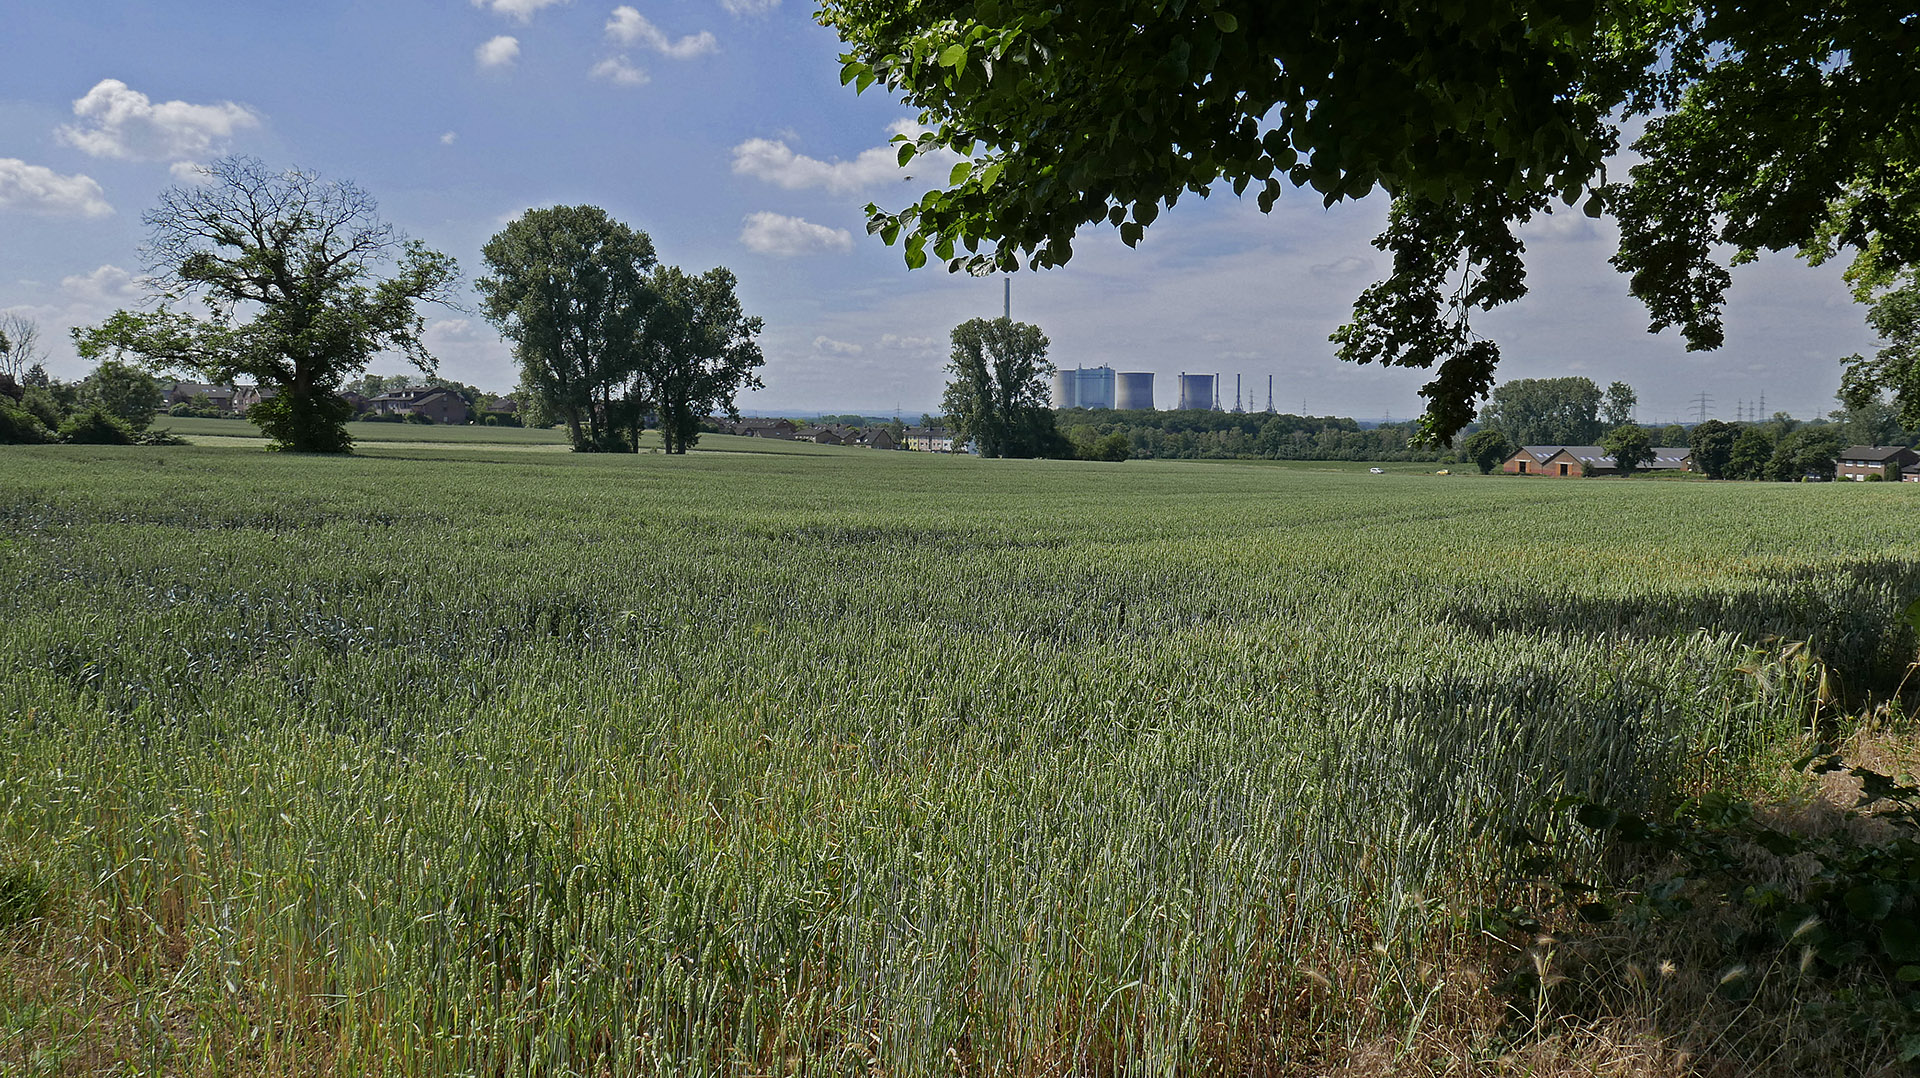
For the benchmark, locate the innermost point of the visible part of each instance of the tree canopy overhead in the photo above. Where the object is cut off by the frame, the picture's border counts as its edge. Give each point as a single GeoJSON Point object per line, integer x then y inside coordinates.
{"type": "Point", "coordinates": [1474, 117]}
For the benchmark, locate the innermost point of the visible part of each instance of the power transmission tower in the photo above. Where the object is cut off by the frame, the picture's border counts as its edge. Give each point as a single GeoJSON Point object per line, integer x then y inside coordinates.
{"type": "Point", "coordinates": [1700, 404]}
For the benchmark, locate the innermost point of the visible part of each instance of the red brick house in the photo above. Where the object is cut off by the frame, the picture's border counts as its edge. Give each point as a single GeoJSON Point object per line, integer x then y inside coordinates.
{"type": "Point", "coordinates": [1857, 462]}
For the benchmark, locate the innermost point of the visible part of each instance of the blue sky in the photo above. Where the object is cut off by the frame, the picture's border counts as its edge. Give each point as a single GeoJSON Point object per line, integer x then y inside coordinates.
{"type": "Point", "coordinates": [720, 128]}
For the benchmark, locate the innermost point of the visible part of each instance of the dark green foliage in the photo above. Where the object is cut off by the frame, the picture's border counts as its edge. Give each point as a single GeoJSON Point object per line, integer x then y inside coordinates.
{"type": "Point", "coordinates": [129, 393]}
{"type": "Point", "coordinates": [998, 395]}
{"type": "Point", "coordinates": [568, 286]}
{"type": "Point", "coordinates": [1487, 449]}
{"type": "Point", "coordinates": [1850, 904]}
{"type": "Point", "coordinates": [1546, 411]}
{"type": "Point", "coordinates": [21, 427]}
{"type": "Point", "coordinates": [1751, 453]}
{"type": "Point", "coordinates": [700, 350]}
{"type": "Point", "coordinates": [1712, 443]}
{"type": "Point", "coordinates": [96, 426]}
{"type": "Point", "coordinates": [1630, 447]}
{"type": "Point", "coordinates": [317, 427]}
{"type": "Point", "coordinates": [1198, 434]}
{"type": "Point", "coordinates": [1809, 452]}
{"type": "Point", "coordinates": [1675, 435]}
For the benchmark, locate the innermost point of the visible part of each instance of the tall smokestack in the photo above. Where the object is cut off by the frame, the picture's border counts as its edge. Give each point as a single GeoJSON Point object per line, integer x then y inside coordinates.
{"type": "Point", "coordinates": [1006, 300]}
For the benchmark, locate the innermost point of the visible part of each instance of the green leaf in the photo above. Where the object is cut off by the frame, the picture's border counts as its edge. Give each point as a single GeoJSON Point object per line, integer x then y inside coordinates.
{"type": "Point", "coordinates": [961, 170]}
{"type": "Point", "coordinates": [1595, 912]}
{"type": "Point", "coordinates": [1908, 974]}
{"type": "Point", "coordinates": [1901, 939]}
{"type": "Point", "coordinates": [906, 154]}
{"type": "Point", "coordinates": [1226, 22]}
{"type": "Point", "coordinates": [991, 174]}
{"type": "Point", "coordinates": [1598, 817]}
{"type": "Point", "coordinates": [1870, 901]}
{"type": "Point", "coordinates": [954, 56]}
{"type": "Point", "coordinates": [1130, 233]}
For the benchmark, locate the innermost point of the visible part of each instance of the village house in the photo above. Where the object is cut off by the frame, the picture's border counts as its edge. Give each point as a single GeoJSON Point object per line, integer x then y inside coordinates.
{"type": "Point", "coordinates": [818, 435]}
{"type": "Point", "coordinates": [218, 398]}
{"type": "Point", "coordinates": [439, 405]}
{"type": "Point", "coordinates": [1857, 462]}
{"type": "Point", "coordinates": [928, 439]}
{"type": "Point", "coordinates": [1583, 461]}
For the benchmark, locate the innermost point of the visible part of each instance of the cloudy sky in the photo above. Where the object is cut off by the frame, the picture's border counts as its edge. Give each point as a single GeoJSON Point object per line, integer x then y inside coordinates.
{"type": "Point", "coordinates": [720, 128]}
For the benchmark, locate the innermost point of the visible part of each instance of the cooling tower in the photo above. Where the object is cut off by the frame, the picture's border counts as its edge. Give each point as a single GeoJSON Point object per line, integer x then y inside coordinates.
{"type": "Point", "coordinates": [1066, 386]}
{"type": "Point", "coordinates": [1196, 391]}
{"type": "Point", "coordinates": [1096, 387]}
{"type": "Point", "coordinates": [1134, 391]}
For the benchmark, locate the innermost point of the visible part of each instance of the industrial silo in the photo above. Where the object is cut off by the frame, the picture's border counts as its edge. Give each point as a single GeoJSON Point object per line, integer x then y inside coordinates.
{"type": "Point", "coordinates": [1134, 391]}
{"type": "Point", "coordinates": [1066, 389]}
{"type": "Point", "coordinates": [1196, 391]}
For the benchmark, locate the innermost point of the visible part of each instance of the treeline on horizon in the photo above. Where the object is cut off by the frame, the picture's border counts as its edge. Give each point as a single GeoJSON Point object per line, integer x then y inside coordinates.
{"type": "Point", "coordinates": [1203, 434]}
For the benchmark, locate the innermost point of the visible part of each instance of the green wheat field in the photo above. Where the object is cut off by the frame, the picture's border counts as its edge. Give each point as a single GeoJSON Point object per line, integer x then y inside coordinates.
{"type": "Point", "coordinates": [491, 759]}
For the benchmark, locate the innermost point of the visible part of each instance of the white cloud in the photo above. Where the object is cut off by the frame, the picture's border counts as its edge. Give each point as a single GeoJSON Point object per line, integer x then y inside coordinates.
{"type": "Point", "coordinates": [1341, 267]}
{"type": "Point", "coordinates": [444, 330]}
{"type": "Point", "coordinates": [776, 162]}
{"type": "Point", "coordinates": [517, 10]}
{"type": "Point", "coordinates": [774, 234]}
{"type": "Point", "coordinates": [188, 172]}
{"type": "Point", "coordinates": [501, 51]}
{"type": "Point", "coordinates": [36, 189]}
{"type": "Point", "coordinates": [749, 7]}
{"type": "Point", "coordinates": [116, 121]}
{"type": "Point", "coordinates": [108, 286]}
{"type": "Point", "coordinates": [617, 70]}
{"type": "Point", "coordinates": [629, 27]}
{"type": "Point", "coordinates": [448, 138]}
{"type": "Point", "coordinates": [904, 343]}
{"type": "Point", "coordinates": [832, 347]}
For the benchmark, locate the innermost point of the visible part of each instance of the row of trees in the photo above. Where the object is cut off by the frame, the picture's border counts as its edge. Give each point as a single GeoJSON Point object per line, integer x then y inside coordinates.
{"type": "Point", "coordinates": [1781, 449]}
{"type": "Point", "coordinates": [301, 283]}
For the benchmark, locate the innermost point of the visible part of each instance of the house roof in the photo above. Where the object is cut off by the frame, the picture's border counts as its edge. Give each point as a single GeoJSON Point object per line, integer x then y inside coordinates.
{"type": "Point", "coordinates": [1664, 456]}
{"type": "Point", "coordinates": [1872, 452]}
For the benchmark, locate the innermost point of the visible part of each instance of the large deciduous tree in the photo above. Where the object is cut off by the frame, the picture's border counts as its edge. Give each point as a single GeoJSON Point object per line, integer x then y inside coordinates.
{"type": "Point", "coordinates": [1630, 447]}
{"type": "Point", "coordinates": [699, 351]}
{"type": "Point", "coordinates": [1779, 126]}
{"type": "Point", "coordinates": [998, 394]}
{"type": "Point", "coordinates": [1616, 410]}
{"type": "Point", "coordinates": [1712, 443]}
{"type": "Point", "coordinates": [301, 281]}
{"type": "Point", "coordinates": [568, 285]}
{"type": "Point", "coordinates": [1546, 411]}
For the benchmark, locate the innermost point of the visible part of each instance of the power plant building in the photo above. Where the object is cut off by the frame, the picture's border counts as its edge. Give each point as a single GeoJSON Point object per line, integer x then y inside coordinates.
{"type": "Point", "coordinates": [1085, 387]}
{"type": "Point", "coordinates": [1134, 391]}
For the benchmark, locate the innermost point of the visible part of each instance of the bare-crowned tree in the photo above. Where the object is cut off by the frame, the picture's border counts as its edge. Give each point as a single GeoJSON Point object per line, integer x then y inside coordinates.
{"type": "Point", "coordinates": [301, 282]}
{"type": "Point", "coordinates": [19, 345]}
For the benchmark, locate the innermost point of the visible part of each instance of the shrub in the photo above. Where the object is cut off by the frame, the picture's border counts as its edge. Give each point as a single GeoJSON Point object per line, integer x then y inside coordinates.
{"type": "Point", "coordinates": [21, 427]}
{"type": "Point", "coordinates": [420, 417]}
{"type": "Point", "coordinates": [95, 427]}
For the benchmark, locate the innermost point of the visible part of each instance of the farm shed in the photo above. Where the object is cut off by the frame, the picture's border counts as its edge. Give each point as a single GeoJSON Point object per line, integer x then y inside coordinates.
{"type": "Point", "coordinates": [1580, 461]}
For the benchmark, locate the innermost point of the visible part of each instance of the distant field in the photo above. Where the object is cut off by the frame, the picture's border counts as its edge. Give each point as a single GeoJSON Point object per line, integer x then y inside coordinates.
{"type": "Point", "coordinates": [840, 761]}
